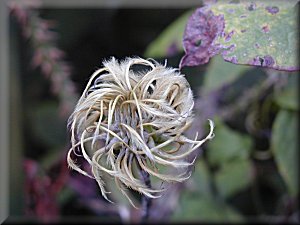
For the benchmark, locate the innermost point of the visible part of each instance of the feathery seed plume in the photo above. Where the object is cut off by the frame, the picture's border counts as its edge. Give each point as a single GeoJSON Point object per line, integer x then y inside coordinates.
{"type": "Point", "coordinates": [130, 120]}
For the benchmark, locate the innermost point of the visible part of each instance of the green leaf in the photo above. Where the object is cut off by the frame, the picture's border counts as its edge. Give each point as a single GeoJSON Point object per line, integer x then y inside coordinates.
{"type": "Point", "coordinates": [233, 177]}
{"type": "Point", "coordinates": [260, 33]}
{"type": "Point", "coordinates": [194, 207]}
{"type": "Point", "coordinates": [227, 145]}
{"type": "Point", "coordinates": [285, 148]}
{"type": "Point", "coordinates": [288, 98]}
{"type": "Point", "coordinates": [200, 178]}
{"type": "Point", "coordinates": [220, 73]}
{"type": "Point", "coordinates": [170, 39]}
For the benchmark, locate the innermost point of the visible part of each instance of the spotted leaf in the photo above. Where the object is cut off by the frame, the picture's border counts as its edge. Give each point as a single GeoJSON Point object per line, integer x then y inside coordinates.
{"type": "Point", "coordinates": [259, 33]}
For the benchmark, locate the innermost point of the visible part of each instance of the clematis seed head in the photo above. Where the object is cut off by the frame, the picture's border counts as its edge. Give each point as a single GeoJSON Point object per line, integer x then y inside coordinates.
{"type": "Point", "coordinates": [128, 120]}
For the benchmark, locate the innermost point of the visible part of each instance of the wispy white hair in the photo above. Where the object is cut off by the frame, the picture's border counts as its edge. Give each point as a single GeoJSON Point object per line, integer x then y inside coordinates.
{"type": "Point", "coordinates": [130, 120]}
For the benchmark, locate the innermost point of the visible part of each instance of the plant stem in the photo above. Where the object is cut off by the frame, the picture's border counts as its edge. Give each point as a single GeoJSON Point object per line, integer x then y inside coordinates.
{"type": "Point", "coordinates": [146, 201]}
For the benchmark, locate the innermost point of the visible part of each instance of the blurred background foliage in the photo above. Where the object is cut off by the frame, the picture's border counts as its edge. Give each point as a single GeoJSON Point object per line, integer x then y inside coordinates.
{"type": "Point", "coordinates": [248, 172]}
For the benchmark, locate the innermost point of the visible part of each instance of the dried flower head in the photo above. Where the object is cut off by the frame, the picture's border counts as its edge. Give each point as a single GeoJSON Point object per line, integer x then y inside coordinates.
{"type": "Point", "coordinates": [129, 120]}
